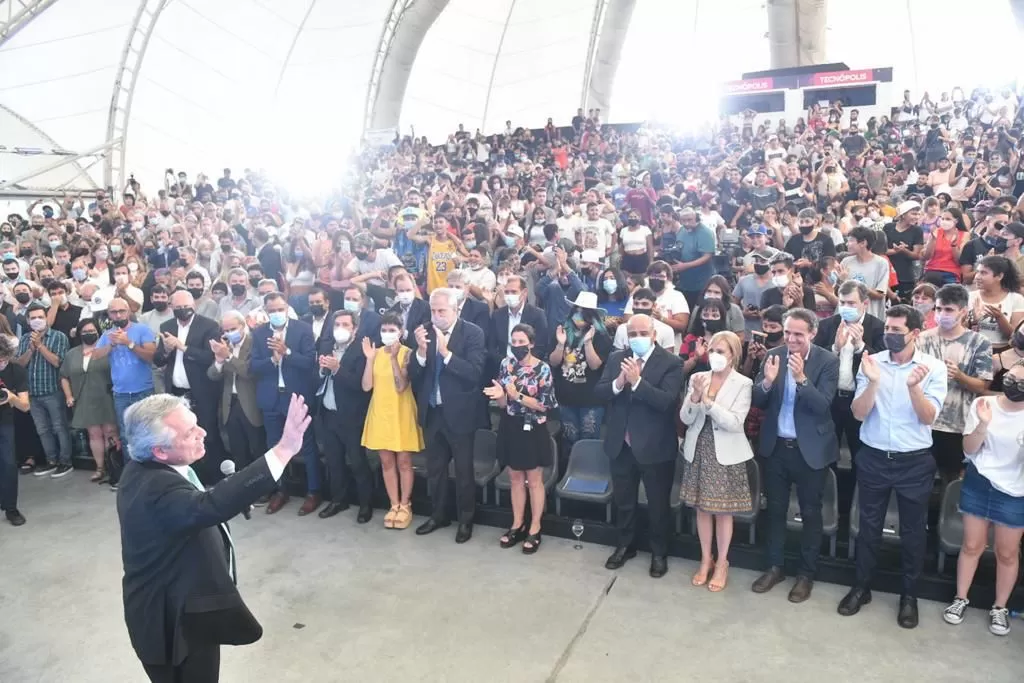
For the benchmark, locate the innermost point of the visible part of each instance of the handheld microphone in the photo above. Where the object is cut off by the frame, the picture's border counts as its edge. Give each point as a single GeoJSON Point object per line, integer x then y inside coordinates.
{"type": "Point", "coordinates": [227, 468]}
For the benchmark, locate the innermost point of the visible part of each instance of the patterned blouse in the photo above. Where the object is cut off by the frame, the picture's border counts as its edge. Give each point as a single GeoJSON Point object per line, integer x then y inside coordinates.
{"type": "Point", "coordinates": [533, 381]}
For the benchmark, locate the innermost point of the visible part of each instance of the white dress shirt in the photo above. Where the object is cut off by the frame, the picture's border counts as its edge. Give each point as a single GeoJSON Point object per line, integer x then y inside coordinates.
{"type": "Point", "coordinates": [318, 326]}
{"type": "Point", "coordinates": [178, 376]}
{"type": "Point", "coordinates": [280, 334]}
{"type": "Point", "coordinates": [514, 319]}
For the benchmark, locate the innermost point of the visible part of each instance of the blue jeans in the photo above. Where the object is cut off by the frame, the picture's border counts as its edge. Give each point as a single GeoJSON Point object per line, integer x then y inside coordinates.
{"type": "Point", "coordinates": [123, 402]}
{"type": "Point", "coordinates": [581, 422]}
{"type": "Point", "coordinates": [8, 469]}
{"type": "Point", "coordinates": [50, 413]}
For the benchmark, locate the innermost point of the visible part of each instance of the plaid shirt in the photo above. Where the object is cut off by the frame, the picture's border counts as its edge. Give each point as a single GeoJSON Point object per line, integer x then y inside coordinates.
{"type": "Point", "coordinates": [42, 377]}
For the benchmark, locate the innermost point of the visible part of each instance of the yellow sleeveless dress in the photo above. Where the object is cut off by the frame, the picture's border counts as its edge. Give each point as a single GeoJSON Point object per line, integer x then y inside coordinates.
{"type": "Point", "coordinates": [392, 422]}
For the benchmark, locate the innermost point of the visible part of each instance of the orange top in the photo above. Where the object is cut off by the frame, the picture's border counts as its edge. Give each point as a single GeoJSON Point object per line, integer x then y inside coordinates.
{"type": "Point", "coordinates": [943, 258]}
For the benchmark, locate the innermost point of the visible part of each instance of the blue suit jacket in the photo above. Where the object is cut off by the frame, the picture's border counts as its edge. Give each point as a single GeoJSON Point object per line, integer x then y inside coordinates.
{"type": "Point", "coordinates": [299, 368]}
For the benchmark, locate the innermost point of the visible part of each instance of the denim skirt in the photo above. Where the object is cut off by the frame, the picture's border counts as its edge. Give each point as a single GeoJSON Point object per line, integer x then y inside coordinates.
{"type": "Point", "coordinates": [979, 498]}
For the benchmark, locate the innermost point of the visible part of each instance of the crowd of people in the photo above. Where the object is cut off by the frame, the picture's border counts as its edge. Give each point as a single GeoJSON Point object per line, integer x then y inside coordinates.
{"type": "Point", "coordinates": [760, 293]}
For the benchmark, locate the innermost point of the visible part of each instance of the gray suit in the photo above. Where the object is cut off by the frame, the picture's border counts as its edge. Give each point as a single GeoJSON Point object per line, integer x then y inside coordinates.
{"type": "Point", "coordinates": [239, 413]}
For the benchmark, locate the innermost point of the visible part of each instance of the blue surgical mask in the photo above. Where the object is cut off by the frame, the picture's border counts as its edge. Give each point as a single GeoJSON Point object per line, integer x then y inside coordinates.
{"type": "Point", "coordinates": [79, 274]}
{"type": "Point", "coordinates": [640, 345]}
{"type": "Point", "coordinates": [833, 278]}
{"type": "Point", "coordinates": [610, 286]}
{"type": "Point", "coordinates": [234, 336]}
{"type": "Point", "coordinates": [352, 306]}
{"type": "Point", "coordinates": [8, 254]}
{"type": "Point", "coordinates": [849, 314]}
{"type": "Point", "coordinates": [278, 318]}
{"type": "Point", "coordinates": [510, 241]}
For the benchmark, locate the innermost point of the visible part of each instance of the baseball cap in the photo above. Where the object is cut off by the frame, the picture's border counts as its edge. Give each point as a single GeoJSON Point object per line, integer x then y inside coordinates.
{"type": "Point", "coordinates": [906, 206]}
{"type": "Point", "coordinates": [757, 230]}
{"type": "Point", "coordinates": [514, 230]}
{"type": "Point", "coordinates": [590, 256]}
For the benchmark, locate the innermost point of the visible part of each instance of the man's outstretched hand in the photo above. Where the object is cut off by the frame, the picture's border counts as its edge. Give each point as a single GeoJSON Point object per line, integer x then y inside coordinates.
{"type": "Point", "coordinates": [295, 426]}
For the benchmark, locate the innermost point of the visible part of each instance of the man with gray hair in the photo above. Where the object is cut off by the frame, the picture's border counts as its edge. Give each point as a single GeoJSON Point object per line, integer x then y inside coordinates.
{"type": "Point", "coordinates": [181, 601]}
{"type": "Point", "coordinates": [240, 298]}
{"type": "Point", "coordinates": [446, 377]}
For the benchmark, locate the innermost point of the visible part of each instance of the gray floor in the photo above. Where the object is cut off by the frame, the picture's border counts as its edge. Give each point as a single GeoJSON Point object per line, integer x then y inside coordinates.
{"type": "Point", "coordinates": [380, 605]}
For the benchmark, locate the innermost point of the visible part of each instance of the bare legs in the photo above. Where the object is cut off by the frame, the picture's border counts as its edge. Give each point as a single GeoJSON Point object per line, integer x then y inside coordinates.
{"type": "Point", "coordinates": [521, 480]}
{"type": "Point", "coordinates": [98, 437]}
{"type": "Point", "coordinates": [707, 525]}
{"type": "Point", "coordinates": [398, 476]}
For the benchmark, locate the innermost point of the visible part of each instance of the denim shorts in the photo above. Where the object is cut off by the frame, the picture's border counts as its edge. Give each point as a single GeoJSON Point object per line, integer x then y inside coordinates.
{"type": "Point", "coordinates": [979, 498]}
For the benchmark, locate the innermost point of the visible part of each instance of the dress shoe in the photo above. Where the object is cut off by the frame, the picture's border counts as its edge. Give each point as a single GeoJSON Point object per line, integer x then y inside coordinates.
{"type": "Point", "coordinates": [15, 517]}
{"type": "Point", "coordinates": [907, 617]}
{"type": "Point", "coordinates": [619, 557]}
{"type": "Point", "coordinates": [801, 590]}
{"type": "Point", "coordinates": [430, 526]}
{"type": "Point", "coordinates": [464, 533]}
{"type": "Point", "coordinates": [309, 505]}
{"type": "Point", "coordinates": [853, 601]}
{"type": "Point", "coordinates": [659, 566]}
{"type": "Point", "coordinates": [768, 580]}
{"type": "Point", "coordinates": [261, 501]}
{"type": "Point", "coordinates": [331, 509]}
{"type": "Point", "coordinates": [277, 501]}
{"type": "Point", "coordinates": [365, 514]}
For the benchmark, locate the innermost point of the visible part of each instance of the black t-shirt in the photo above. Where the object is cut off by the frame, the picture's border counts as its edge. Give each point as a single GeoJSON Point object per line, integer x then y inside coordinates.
{"type": "Point", "coordinates": [794, 192]}
{"type": "Point", "coordinates": [773, 297]}
{"type": "Point", "coordinates": [903, 264]}
{"type": "Point", "coordinates": [574, 378]}
{"type": "Point", "coordinates": [853, 145]}
{"type": "Point", "coordinates": [732, 198]}
{"type": "Point", "coordinates": [814, 250]}
{"type": "Point", "coordinates": [66, 320]}
{"type": "Point", "coordinates": [14, 378]}
{"type": "Point", "coordinates": [972, 252]}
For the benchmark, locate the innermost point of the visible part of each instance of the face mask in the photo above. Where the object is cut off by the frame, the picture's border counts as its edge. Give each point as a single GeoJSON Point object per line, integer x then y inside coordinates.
{"type": "Point", "coordinates": [946, 321]}
{"type": "Point", "coordinates": [23, 297]}
{"type": "Point", "coordinates": [806, 229]}
{"type": "Point", "coordinates": [54, 244]}
{"type": "Point", "coordinates": [233, 337]}
{"type": "Point", "coordinates": [632, 222]}
{"type": "Point", "coordinates": [37, 324]}
{"type": "Point", "coordinates": [640, 345]}
{"type": "Point", "coordinates": [405, 298]}
{"type": "Point", "coordinates": [159, 306]}
{"type": "Point", "coordinates": [133, 267]}
{"type": "Point", "coordinates": [520, 352]}
{"type": "Point", "coordinates": [780, 281]}
{"type": "Point", "coordinates": [90, 338]}
{"type": "Point", "coordinates": [512, 300]}
{"type": "Point", "coordinates": [196, 292]}
{"type": "Point", "coordinates": [717, 361]}
{"type": "Point", "coordinates": [510, 241]}
{"type": "Point", "coordinates": [183, 314]}
{"type": "Point", "coordinates": [318, 310]}
{"type": "Point", "coordinates": [115, 249]}
{"type": "Point", "coordinates": [342, 335]}
{"type": "Point", "coordinates": [8, 254]}
{"type": "Point", "coordinates": [566, 210]}
{"type": "Point", "coordinates": [352, 306]}
{"type": "Point", "coordinates": [656, 284]}
{"type": "Point", "coordinates": [12, 276]}
{"type": "Point", "coordinates": [254, 281]}
{"type": "Point", "coordinates": [833, 278]}
{"type": "Point", "coordinates": [278, 318]}
{"type": "Point", "coordinates": [362, 256]}
{"type": "Point", "coordinates": [895, 342]}
{"type": "Point", "coordinates": [610, 286]}
{"type": "Point", "coordinates": [123, 322]}
{"type": "Point", "coordinates": [761, 268]}
{"type": "Point", "coordinates": [849, 314]}
{"type": "Point", "coordinates": [773, 337]}
{"type": "Point", "coordinates": [925, 307]}
{"type": "Point", "coordinates": [997, 243]}
{"type": "Point", "coordinates": [439, 322]}
{"type": "Point", "coordinates": [1013, 392]}
{"type": "Point", "coordinates": [469, 244]}
{"type": "Point", "coordinates": [713, 326]}
{"type": "Point", "coordinates": [101, 255]}
{"type": "Point", "coordinates": [238, 290]}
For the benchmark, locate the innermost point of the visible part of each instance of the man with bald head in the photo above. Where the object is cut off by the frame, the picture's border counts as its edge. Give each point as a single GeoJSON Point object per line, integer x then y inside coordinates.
{"type": "Point", "coordinates": [185, 353]}
{"type": "Point", "coordinates": [641, 385]}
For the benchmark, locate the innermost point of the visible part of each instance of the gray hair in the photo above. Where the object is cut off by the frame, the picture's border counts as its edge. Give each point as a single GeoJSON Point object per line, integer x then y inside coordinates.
{"type": "Point", "coordinates": [267, 281]}
{"type": "Point", "coordinates": [456, 277]}
{"type": "Point", "coordinates": [849, 286]}
{"type": "Point", "coordinates": [238, 271]}
{"type": "Point", "coordinates": [802, 314]}
{"type": "Point", "coordinates": [449, 295]}
{"type": "Point", "coordinates": [145, 427]}
{"type": "Point", "coordinates": [233, 315]}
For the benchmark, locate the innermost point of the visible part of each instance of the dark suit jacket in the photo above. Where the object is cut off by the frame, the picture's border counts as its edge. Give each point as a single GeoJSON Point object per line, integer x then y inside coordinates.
{"type": "Point", "coordinates": [812, 411]}
{"type": "Point", "coordinates": [419, 314]}
{"type": "Point", "coordinates": [235, 372]}
{"type": "Point", "coordinates": [479, 313]}
{"type": "Point", "coordinates": [649, 412]}
{"type": "Point", "coordinates": [197, 360]}
{"type": "Point", "coordinates": [298, 368]}
{"type": "Point", "coordinates": [270, 261]}
{"type": "Point", "coordinates": [325, 331]}
{"type": "Point", "coordinates": [349, 396]}
{"type": "Point", "coordinates": [497, 338]}
{"type": "Point", "coordinates": [874, 333]}
{"type": "Point", "coordinates": [460, 378]}
{"type": "Point", "coordinates": [176, 583]}
{"type": "Point", "coordinates": [369, 325]}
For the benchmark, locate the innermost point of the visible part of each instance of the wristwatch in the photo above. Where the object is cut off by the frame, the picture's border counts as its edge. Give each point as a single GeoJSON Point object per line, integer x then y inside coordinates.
{"type": "Point", "coordinates": [131, 346]}
{"type": "Point", "coordinates": [802, 383]}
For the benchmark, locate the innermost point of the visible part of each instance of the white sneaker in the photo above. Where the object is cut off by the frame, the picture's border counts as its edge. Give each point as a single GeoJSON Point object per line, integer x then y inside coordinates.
{"type": "Point", "coordinates": [999, 621]}
{"type": "Point", "coordinates": [954, 614]}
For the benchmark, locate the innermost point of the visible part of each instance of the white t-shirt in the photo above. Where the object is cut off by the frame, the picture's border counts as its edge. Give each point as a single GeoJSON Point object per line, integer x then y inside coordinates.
{"type": "Point", "coordinates": [483, 278]}
{"type": "Point", "coordinates": [635, 241]}
{"type": "Point", "coordinates": [670, 302]}
{"type": "Point", "coordinates": [1001, 456]}
{"type": "Point", "coordinates": [384, 259]}
{"type": "Point", "coordinates": [596, 235]}
{"type": "Point", "coordinates": [567, 226]}
{"type": "Point", "coordinates": [664, 335]}
{"type": "Point", "coordinates": [1012, 303]}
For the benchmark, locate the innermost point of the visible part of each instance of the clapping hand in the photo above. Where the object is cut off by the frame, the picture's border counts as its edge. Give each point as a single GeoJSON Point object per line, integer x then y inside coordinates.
{"type": "Point", "coordinates": [329, 362]}
{"type": "Point", "coordinates": [495, 391]}
{"type": "Point", "coordinates": [796, 367]}
{"type": "Point", "coordinates": [36, 339]}
{"type": "Point", "coordinates": [511, 391]}
{"type": "Point", "coordinates": [276, 344]}
{"type": "Point", "coordinates": [369, 350]}
{"type": "Point", "coordinates": [442, 345]}
{"type": "Point", "coordinates": [589, 336]}
{"type": "Point", "coordinates": [119, 337]}
{"type": "Point", "coordinates": [170, 341]}
{"type": "Point", "coordinates": [422, 339]}
{"type": "Point", "coordinates": [771, 369]}
{"type": "Point", "coordinates": [984, 411]}
{"type": "Point", "coordinates": [697, 385]}
{"type": "Point", "coordinates": [700, 347]}
{"type": "Point", "coordinates": [856, 331]}
{"type": "Point", "coordinates": [993, 311]}
{"type": "Point", "coordinates": [917, 375]}
{"type": "Point", "coordinates": [953, 370]}
{"type": "Point", "coordinates": [842, 335]}
{"type": "Point", "coordinates": [220, 350]}
{"type": "Point", "coordinates": [869, 366]}
{"type": "Point", "coordinates": [295, 426]}
{"type": "Point", "coordinates": [631, 370]}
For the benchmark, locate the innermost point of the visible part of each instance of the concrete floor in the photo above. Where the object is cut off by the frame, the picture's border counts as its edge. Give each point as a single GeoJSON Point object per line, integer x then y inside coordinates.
{"type": "Point", "coordinates": [379, 605]}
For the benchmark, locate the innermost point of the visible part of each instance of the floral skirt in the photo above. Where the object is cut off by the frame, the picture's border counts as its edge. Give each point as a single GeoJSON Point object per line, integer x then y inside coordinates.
{"type": "Point", "coordinates": [710, 486]}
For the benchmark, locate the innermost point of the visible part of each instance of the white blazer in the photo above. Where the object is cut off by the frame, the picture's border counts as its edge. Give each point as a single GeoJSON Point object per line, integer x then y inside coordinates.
{"type": "Point", "coordinates": [727, 413]}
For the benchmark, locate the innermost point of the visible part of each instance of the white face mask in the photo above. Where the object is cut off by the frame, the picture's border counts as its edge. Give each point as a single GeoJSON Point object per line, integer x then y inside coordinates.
{"type": "Point", "coordinates": [342, 335]}
{"type": "Point", "coordinates": [388, 338]}
{"type": "Point", "coordinates": [717, 361]}
{"type": "Point", "coordinates": [780, 280]}
{"type": "Point", "coordinates": [512, 300]}
{"type": "Point", "coordinates": [405, 298]}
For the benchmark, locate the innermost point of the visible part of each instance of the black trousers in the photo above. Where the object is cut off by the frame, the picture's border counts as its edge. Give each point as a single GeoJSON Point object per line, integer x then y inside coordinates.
{"type": "Point", "coordinates": [443, 445]}
{"type": "Point", "coordinates": [201, 666]}
{"type": "Point", "coordinates": [346, 459]}
{"type": "Point", "coordinates": [248, 442]}
{"type": "Point", "coordinates": [657, 478]}
{"type": "Point", "coordinates": [782, 469]}
{"type": "Point", "coordinates": [846, 424]}
{"type": "Point", "coordinates": [911, 477]}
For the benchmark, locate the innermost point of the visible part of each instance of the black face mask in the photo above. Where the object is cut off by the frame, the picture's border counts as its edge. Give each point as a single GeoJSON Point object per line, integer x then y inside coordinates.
{"type": "Point", "coordinates": [1014, 391]}
{"type": "Point", "coordinates": [761, 268]}
{"type": "Point", "coordinates": [25, 253]}
{"type": "Point", "coordinates": [773, 337]}
{"type": "Point", "coordinates": [318, 310]}
{"type": "Point", "coordinates": [254, 281]}
{"type": "Point", "coordinates": [633, 221]}
{"type": "Point", "coordinates": [520, 352]}
{"type": "Point", "coordinates": [806, 229]}
{"type": "Point", "coordinates": [657, 284]}
{"type": "Point", "coordinates": [362, 255]}
{"type": "Point", "coordinates": [23, 297]}
{"type": "Point", "coordinates": [90, 338]}
{"type": "Point", "coordinates": [713, 326]}
{"type": "Point", "coordinates": [238, 290]}
{"type": "Point", "coordinates": [196, 292]}
{"type": "Point", "coordinates": [159, 306]}
{"type": "Point", "coordinates": [12, 276]}
{"type": "Point", "coordinates": [183, 314]}
{"type": "Point", "coordinates": [121, 322]}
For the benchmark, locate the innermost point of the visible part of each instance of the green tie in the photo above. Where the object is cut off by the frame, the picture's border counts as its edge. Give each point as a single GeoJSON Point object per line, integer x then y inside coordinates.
{"type": "Point", "coordinates": [193, 479]}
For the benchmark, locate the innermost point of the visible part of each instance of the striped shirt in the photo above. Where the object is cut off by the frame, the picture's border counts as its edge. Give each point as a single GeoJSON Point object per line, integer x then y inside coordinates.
{"type": "Point", "coordinates": [43, 378]}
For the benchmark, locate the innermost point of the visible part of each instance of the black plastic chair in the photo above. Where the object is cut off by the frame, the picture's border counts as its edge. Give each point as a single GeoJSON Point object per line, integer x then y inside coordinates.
{"type": "Point", "coordinates": [890, 525]}
{"type": "Point", "coordinates": [829, 511]}
{"type": "Point", "coordinates": [587, 462]}
{"type": "Point", "coordinates": [549, 475]}
{"type": "Point", "coordinates": [674, 502]}
{"type": "Point", "coordinates": [485, 460]}
{"type": "Point", "coordinates": [951, 526]}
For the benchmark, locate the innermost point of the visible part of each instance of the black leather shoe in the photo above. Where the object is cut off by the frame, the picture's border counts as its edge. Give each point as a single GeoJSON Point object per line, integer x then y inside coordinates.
{"type": "Point", "coordinates": [619, 557]}
{"type": "Point", "coordinates": [907, 617]}
{"type": "Point", "coordinates": [332, 509]}
{"type": "Point", "coordinates": [15, 517]}
{"type": "Point", "coordinates": [768, 580]}
{"type": "Point", "coordinates": [430, 526]}
{"type": "Point", "coordinates": [801, 590]}
{"type": "Point", "coordinates": [464, 533]}
{"type": "Point", "coordinates": [853, 601]}
{"type": "Point", "coordinates": [365, 514]}
{"type": "Point", "coordinates": [659, 566]}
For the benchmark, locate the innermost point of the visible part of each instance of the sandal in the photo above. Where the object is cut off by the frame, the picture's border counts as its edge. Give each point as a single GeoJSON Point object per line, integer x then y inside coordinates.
{"type": "Point", "coordinates": [701, 577]}
{"type": "Point", "coordinates": [721, 571]}
{"type": "Point", "coordinates": [534, 541]}
{"type": "Point", "coordinates": [98, 477]}
{"type": "Point", "coordinates": [389, 517]}
{"type": "Point", "coordinates": [512, 537]}
{"type": "Point", "coordinates": [403, 517]}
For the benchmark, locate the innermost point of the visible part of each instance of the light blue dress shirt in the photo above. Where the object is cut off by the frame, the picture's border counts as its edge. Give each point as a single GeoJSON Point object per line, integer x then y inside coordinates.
{"type": "Point", "coordinates": [787, 423]}
{"type": "Point", "coordinates": [892, 424]}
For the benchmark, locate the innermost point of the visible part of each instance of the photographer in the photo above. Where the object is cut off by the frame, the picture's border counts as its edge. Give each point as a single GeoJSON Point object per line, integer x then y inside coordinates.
{"type": "Point", "coordinates": [13, 394]}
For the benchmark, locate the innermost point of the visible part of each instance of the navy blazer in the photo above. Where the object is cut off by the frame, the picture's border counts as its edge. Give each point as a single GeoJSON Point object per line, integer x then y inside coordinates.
{"type": "Point", "coordinates": [349, 397]}
{"type": "Point", "coordinates": [498, 337]}
{"type": "Point", "coordinates": [812, 411]}
{"type": "Point", "coordinates": [325, 331]}
{"type": "Point", "coordinates": [479, 313]}
{"type": "Point", "coordinates": [300, 368]}
{"type": "Point", "coordinates": [461, 397]}
{"type": "Point", "coordinates": [197, 359]}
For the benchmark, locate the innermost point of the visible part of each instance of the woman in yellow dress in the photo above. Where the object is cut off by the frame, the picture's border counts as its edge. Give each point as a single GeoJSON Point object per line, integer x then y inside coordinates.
{"type": "Point", "coordinates": [391, 426]}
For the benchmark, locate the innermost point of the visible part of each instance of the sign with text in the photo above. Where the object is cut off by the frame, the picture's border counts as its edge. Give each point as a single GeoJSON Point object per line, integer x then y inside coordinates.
{"type": "Point", "coordinates": [752, 85]}
{"type": "Point", "coordinates": [841, 78]}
